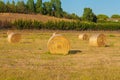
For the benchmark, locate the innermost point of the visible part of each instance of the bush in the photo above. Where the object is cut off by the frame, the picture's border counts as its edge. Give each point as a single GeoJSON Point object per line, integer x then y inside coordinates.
{"type": "Point", "coordinates": [37, 25]}
{"type": "Point", "coordinates": [108, 26]}
{"type": "Point", "coordinates": [65, 25]}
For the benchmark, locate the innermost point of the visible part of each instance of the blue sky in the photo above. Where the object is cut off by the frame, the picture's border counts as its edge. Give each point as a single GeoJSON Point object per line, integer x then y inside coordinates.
{"type": "Point", "coordinates": [107, 7]}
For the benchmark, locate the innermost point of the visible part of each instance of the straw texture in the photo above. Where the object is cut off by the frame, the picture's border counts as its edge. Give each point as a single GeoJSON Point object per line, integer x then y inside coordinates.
{"type": "Point", "coordinates": [83, 36]}
{"type": "Point", "coordinates": [14, 37]}
{"type": "Point", "coordinates": [97, 40]}
{"type": "Point", "coordinates": [58, 44]}
{"type": "Point", "coordinates": [9, 32]}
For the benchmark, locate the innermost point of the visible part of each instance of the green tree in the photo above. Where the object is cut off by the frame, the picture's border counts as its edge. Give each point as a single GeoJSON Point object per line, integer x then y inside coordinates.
{"type": "Point", "coordinates": [13, 6]}
{"type": "Point", "coordinates": [21, 7]}
{"type": "Point", "coordinates": [65, 15]}
{"type": "Point", "coordinates": [56, 7]}
{"type": "Point", "coordinates": [39, 8]}
{"type": "Point", "coordinates": [8, 6]}
{"type": "Point", "coordinates": [30, 6]}
{"type": "Point", "coordinates": [74, 16]}
{"type": "Point", "coordinates": [115, 16]}
{"type": "Point", "coordinates": [47, 6]}
{"type": "Point", "coordinates": [88, 15]}
{"type": "Point", "coordinates": [102, 17]}
{"type": "Point", "coordinates": [2, 6]}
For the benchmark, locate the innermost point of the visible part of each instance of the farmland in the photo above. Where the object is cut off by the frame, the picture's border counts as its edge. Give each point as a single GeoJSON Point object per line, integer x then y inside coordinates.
{"type": "Point", "coordinates": [38, 17]}
{"type": "Point", "coordinates": [31, 60]}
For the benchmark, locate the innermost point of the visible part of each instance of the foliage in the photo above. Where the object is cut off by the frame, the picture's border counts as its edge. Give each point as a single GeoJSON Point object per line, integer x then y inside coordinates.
{"type": "Point", "coordinates": [65, 25]}
{"type": "Point", "coordinates": [51, 8]}
{"type": "Point", "coordinates": [115, 16]}
{"type": "Point", "coordinates": [21, 7]}
{"type": "Point", "coordinates": [47, 8]}
{"type": "Point", "coordinates": [37, 25]}
{"type": "Point", "coordinates": [39, 8]}
{"type": "Point", "coordinates": [2, 7]}
{"type": "Point", "coordinates": [102, 17]}
{"type": "Point", "coordinates": [56, 6]}
{"type": "Point", "coordinates": [88, 15]}
{"type": "Point", "coordinates": [31, 6]}
{"type": "Point", "coordinates": [59, 25]}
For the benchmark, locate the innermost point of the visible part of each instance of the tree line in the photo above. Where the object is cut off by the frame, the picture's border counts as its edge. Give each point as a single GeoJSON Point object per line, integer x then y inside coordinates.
{"type": "Point", "coordinates": [51, 8]}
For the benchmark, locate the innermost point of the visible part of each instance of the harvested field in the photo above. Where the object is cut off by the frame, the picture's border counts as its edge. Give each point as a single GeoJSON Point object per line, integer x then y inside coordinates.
{"type": "Point", "coordinates": [38, 17]}
{"type": "Point", "coordinates": [30, 59]}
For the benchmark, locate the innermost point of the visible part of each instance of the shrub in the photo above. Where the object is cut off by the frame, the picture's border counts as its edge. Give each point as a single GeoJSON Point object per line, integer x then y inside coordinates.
{"type": "Point", "coordinates": [37, 25]}
{"type": "Point", "coordinates": [65, 25]}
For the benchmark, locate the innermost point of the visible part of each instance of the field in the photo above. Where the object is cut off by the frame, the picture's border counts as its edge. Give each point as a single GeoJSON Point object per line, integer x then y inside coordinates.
{"type": "Point", "coordinates": [30, 59]}
{"type": "Point", "coordinates": [38, 17]}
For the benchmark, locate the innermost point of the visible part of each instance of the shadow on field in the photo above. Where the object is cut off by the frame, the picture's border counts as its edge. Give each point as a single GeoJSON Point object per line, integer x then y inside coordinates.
{"type": "Point", "coordinates": [74, 51]}
{"type": "Point", "coordinates": [107, 45]}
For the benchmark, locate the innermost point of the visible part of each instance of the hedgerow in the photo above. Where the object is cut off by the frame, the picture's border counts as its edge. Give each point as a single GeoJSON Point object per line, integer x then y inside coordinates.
{"type": "Point", "coordinates": [60, 25]}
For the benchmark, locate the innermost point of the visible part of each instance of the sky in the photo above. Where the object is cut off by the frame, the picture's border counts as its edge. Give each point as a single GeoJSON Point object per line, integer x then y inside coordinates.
{"type": "Point", "coordinates": [107, 7]}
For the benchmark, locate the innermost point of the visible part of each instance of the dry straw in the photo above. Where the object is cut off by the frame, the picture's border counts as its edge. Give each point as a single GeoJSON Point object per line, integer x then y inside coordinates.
{"type": "Point", "coordinates": [54, 33]}
{"type": "Point", "coordinates": [58, 44]}
{"type": "Point", "coordinates": [83, 36]}
{"type": "Point", "coordinates": [9, 32]}
{"type": "Point", "coordinates": [97, 40]}
{"type": "Point", "coordinates": [14, 37]}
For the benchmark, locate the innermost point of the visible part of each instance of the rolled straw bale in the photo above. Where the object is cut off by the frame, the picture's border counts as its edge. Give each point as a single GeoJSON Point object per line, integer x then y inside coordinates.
{"type": "Point", "coordinates": [14, 37]}
{"type": "Point", "coordinates": [9, 32]}
{"type": "Point", "coordinates": [54, 33]}
{"type": "Point", "coordinates": [97, 40]}
{"type": "Point", "coordinates": [58, 44]}
{"type": "Point", "coordinates": [83, 36]}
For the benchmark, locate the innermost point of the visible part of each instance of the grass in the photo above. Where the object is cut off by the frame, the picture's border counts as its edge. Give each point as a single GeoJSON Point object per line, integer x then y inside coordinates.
{"type": "Point", "coordinates": [38, 17]}
{"type": "Point", "coordinates": [30, 59]}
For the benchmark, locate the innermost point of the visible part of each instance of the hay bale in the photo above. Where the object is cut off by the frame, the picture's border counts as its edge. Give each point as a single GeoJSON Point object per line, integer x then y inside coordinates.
{"type": "Point", "coordinates": [58, 44]}
{"type": "Point", "coordinates": [83, 36]}
{"type": "Point", "coordinates": [14, 37]}
{"type": "Point", "coordinates": [54, 34]}
{"type": "Point", "coordinates": [97, 40]}
{"type": "Point", "coordinates": [9, 32]}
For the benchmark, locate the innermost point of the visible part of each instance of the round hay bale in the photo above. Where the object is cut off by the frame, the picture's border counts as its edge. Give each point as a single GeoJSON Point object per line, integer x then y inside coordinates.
{"type": "Point", "coordinates": [58, 44]}
{"type": "Point", "coordinates": [97, 40]}
{"type": "Point", "coordinates": [54, 33]}
{"type": "Point", "coordinates": [9, 32]}
{"type": "Point", "coordinates": [14, 37]}
{"type": "Point", "coordinates": [83, 36]}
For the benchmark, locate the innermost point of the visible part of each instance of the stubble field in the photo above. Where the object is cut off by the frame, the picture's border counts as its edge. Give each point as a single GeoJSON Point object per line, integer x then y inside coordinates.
{"type": "Point", "coordinates": [30, 59]}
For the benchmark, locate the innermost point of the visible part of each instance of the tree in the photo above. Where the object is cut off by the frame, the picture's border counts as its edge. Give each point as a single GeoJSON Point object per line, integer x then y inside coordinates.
{"type": "Point", "coordinates": [2, 6]}
{"type": "Point", "coordinates": [115, 16]}
{"type": "Point", "coordinates": [56, 7]}
{"type": "Point", "coordinates": [39, 8]}
{"type": "Point", "coordinates": [21, 7]}
{"type": "Point", "coordinates": [30, 6]}
{"type": "Point", "coordinates": [74, 16]}
{"type": "Point", "coordinates": [13, 6]}
{"type": "Point", "coordinates": [8, 6]}
{"type": "Point", "coordinates": [47, 6]}
{"type": "Point", "coordinates": [102, 17]}
{"type": "Point", "coordinates": [88, 15]}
